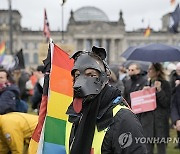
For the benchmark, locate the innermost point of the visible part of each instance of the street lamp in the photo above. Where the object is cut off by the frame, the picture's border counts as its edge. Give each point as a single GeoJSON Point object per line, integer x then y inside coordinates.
{"type": "Point", "coordinates": [62, 8]}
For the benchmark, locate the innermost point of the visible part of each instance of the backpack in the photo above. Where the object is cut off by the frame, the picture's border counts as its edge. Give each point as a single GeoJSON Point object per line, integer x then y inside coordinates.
{"type": "Point", "coordinates": [21, 106]}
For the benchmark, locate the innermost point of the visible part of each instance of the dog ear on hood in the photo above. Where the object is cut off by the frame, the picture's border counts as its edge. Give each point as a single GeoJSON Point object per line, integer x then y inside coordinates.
{"type": "Point", "coordinates": [101, 52]}
{"type": "Point", "coordinates": [76, 55]}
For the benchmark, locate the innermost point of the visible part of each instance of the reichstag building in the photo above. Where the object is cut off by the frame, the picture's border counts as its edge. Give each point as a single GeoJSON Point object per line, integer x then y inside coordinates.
{"type": "Point", "coordinates": [87, 26]}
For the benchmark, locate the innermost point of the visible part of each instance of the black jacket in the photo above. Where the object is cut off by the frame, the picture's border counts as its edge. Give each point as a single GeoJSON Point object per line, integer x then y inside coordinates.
{"type": "Point", "coordinates": [22, 86]}
{"type": "Point", "coordinates": [175, 106]}
{"type": "Point", "coordinates": [8, 99]}
{"type": "Point", "coordinates": [156, 123]}
{"type": "Point", "coordinates": [123, 134]}
{"type": "Point", "coordinates": [134, 85]}
{"type": "Point", "coordinates": [37, 96]}
{"type": "Point", "coordinates": [173, 77]}
{"type": "Point", "coordinates": [126, 128]}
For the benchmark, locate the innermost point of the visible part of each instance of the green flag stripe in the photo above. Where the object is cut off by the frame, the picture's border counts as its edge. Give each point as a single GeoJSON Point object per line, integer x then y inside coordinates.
{"type": "Point", "coordinates": [55, 130]}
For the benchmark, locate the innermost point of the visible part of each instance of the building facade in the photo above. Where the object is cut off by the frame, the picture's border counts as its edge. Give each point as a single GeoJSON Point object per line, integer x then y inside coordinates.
{"type": "Point", "coordinates": [86, 27]}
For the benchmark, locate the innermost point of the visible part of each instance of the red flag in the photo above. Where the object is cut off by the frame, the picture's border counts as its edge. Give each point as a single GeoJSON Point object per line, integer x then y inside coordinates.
{"type": "Point", "coordinates": [46, 29]}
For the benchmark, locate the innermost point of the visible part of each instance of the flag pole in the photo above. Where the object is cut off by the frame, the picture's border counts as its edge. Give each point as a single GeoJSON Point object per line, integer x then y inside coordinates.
{"type": "Point", "coordinates": [10, 29]}
{"type": "Point", "coordinates": [62, 8]}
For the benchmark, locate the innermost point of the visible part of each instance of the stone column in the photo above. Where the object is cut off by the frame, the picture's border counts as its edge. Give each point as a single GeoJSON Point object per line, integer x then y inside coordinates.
{"type": "Point", "coordinates": [103, 42]}
{"type": "Point", "coordinates": [76, 42]}
{"type": "Point", "coordinates": [93, 41]}
{"type": "Point", "coordinates": [117, 50]}
{"type": "Point", "coordinates": [112, 54]}
{"type": "Point", "coordinates": [84, 44]}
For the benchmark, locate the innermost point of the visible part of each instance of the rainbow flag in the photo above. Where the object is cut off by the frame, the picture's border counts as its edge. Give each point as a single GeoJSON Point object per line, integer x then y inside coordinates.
{"type": "Point", "coordinates": [49, 135]}
{"type": "Point", "coordinates": [2, 51]}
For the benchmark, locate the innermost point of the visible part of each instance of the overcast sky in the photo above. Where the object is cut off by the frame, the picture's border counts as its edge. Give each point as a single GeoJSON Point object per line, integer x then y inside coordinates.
{"type": "Point", "coordinates": [151, 11]}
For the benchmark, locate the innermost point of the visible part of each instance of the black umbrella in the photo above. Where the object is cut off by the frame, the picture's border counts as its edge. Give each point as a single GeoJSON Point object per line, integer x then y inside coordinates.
{"type": "Point", "coordinates": [153, 53]}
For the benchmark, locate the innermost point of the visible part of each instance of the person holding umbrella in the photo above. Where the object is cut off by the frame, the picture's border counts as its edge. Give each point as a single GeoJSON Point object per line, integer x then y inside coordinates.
{"type": "Point", "coordinates": [156, 123]}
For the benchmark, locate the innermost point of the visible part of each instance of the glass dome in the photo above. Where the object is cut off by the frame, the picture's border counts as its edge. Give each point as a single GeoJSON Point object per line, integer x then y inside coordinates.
{"type": "Point", "coordinates": [90, 14]}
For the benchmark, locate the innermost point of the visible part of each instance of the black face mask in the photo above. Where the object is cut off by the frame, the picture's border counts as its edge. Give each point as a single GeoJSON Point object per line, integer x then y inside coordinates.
{"type": "Point", "coordinates": [87, 88]}
{"type": "Point", "coordinates": [84, 85]}
{"type": "Point", "coordinates": [134, 77]}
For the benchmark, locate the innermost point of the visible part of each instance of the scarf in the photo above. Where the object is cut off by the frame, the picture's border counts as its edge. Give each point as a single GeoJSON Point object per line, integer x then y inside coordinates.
{"type": "Point", "coordinates": [83, 129]}
{"type": "Point", "coordinates": [4, 85]}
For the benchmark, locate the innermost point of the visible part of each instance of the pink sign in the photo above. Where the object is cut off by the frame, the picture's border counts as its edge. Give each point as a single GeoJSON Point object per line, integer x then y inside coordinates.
{"type": "Point", "coordinates": [143, 100]}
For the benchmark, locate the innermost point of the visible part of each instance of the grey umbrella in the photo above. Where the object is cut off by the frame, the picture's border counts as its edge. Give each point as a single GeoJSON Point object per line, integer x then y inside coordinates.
{"type": "Point", "coordinates": [155, 52]}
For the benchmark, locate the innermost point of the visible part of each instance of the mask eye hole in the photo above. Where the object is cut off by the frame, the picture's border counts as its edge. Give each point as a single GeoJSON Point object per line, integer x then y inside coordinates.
{"type": "Point", "coordinates": [92, 73]}
{"type": "Point", "coordinates": [76, 74]}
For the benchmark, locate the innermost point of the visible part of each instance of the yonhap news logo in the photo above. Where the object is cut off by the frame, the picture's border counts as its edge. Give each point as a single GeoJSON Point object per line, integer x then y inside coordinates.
{"type": "Point", "coordinates": [156, 140]}
{"type": "Point", "coordinates": [125, 140]}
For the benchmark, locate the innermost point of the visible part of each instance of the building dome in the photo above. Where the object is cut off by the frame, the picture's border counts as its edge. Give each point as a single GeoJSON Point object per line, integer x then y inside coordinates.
{"type": "Point", "coordinates": [90, 14]}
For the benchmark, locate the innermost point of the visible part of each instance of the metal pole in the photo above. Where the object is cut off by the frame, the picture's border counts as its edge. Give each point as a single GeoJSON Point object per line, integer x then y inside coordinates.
{"type": "Point", "coordinates": [10, 29]}
{"type": "Point", "coordinates": [62, 23]}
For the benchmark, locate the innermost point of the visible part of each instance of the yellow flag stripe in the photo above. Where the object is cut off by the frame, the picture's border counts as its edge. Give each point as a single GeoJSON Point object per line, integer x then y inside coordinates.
{"type": "Point", "coordinates": [57, 105]}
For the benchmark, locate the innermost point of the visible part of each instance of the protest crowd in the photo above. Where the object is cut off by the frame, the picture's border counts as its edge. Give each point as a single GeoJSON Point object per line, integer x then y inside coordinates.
{"type": "Point", "coordinates": [89, 102]}
{"type": "Point", "coordinates": [21, 93]}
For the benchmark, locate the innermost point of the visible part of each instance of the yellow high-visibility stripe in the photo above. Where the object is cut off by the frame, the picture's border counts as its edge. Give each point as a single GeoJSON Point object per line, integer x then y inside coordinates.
{"type": "Point", "coordinates": [98, 136]}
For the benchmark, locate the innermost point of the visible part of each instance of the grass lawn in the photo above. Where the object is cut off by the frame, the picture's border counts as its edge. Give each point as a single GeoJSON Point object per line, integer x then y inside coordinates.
{"type": "Point", "coordinates": [170, 147]}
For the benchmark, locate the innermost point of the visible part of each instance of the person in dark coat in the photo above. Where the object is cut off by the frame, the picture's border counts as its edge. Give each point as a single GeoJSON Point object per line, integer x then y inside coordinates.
{"type": "Point", "coordinates": [99, 120]}
{"type": "Point", "coordinates": [156, 123]}
{"type": "Point", "coordinates": [175, 106]}
{"type": "Point", "coordinates": [8, 92]}
{"type": "Point", "coordinates": [21, 77]}
{"type": "Point", "coordinates": [136, 81]}
{"type": "Point", "coordinates": [114, 79]}
{"type": "Point", "coordinates": [24, 93]}
{"type": "Point", "coordinates": [175, 74]}
{"type": "Point", "coordinates": [38, 88]}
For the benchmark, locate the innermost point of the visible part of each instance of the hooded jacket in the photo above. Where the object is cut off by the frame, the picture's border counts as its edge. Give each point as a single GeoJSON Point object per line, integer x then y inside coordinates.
{"type": "Point", "coordinates": [8, 99]}
{"type": "Point", "coordinates": [15, 130]}
{"type": "Point", "coordinates": [113, 135]}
